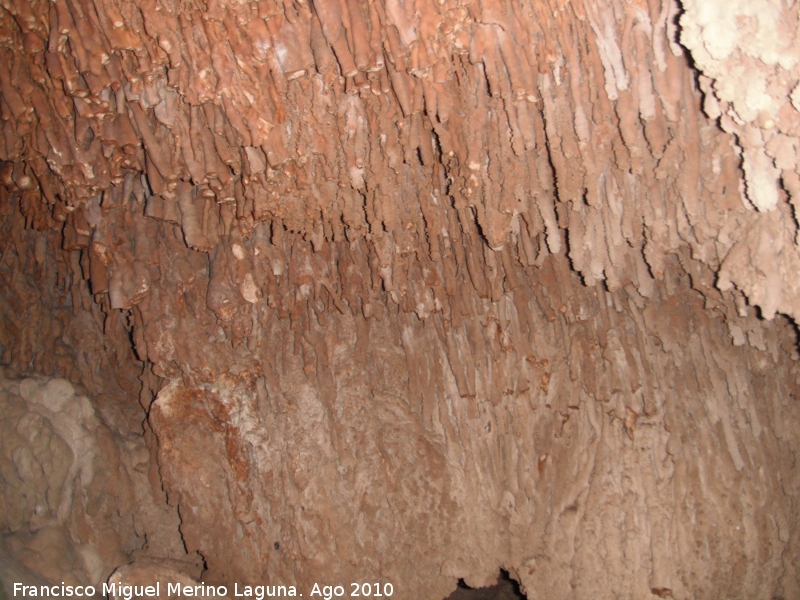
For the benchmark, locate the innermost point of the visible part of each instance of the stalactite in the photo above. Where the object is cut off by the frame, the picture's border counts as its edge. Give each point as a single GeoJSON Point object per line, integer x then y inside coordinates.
{"type": "Point", "coordinates": [446, 288]}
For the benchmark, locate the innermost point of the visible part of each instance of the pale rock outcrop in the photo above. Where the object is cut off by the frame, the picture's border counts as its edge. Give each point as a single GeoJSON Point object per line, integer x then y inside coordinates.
{"type": "Point", "coordinates": [749, 57]}
{"type": "Point", "coordinates": [74, 498]}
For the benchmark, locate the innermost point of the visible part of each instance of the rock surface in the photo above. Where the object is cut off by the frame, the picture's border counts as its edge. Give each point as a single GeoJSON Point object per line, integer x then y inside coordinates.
{"type": "Point", "coordinates": [604, 457]}
{"type": "Point", "coordinates": [146, 572]}
{"type": "Point", "coordinates": [75, 500]}
{"type": "Point", "coordinates": [406, 292]}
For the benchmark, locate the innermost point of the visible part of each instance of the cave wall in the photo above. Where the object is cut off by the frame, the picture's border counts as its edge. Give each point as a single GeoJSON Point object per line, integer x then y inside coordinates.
{"type": "Point", "coordinates": [609, 455]}
{"type": "Point", "coordinates": [77, 501]}
{"type": "Point", "coordinates": [419, 291]}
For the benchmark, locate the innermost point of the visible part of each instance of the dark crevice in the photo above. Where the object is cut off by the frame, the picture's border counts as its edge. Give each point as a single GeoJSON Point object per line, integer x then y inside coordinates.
{"type": "Point", "coordinates": [505, 589]}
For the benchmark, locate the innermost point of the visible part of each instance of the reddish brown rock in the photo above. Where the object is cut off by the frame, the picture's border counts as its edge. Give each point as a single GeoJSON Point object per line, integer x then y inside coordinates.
{"type": "Point", "coordinates": [406, 292]}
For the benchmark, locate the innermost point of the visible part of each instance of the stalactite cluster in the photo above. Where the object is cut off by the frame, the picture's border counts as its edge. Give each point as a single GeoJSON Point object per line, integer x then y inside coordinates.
{"type": "Point", "coordinates": [416, 291]}
{"type": "Point", "coordinates": [337, 120]}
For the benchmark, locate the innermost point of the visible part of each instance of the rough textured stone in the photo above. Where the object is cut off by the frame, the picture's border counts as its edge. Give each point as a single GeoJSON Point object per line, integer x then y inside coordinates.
{"type": "Point", "coordinates": [605, 456]}
{"type": "Point", "coordinates": [404, 292]}
{"type": "Point", "coordinates": [74, 500]}
{"type": "Point", "coordinates": [147, 572]}
{"type": "Point", "coordinates": [749, 54]}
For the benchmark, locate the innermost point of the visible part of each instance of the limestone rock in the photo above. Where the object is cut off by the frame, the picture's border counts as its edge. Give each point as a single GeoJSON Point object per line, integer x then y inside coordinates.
{"type": "Point", "coordinates": [403, 292]}
{"type": "Point", "coordinates": [70, 509]}
{"type": "Point", "coordinates": [149, 571]}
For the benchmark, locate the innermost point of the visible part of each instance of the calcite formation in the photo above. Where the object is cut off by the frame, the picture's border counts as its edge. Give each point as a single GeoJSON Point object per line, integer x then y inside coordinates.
{"type": "Point", "coordinates": [405, 292]}
{"type": "Point", "coordinates": [76, 501]}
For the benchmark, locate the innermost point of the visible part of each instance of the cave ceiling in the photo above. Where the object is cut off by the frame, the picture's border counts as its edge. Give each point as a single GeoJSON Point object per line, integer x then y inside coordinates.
{"type": "Point", "coordinates": [509, 250]}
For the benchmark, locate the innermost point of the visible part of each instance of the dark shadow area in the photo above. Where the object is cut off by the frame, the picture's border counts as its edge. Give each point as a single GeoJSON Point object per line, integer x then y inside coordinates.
{"type": "Point", "coordinates": [506, 589]}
